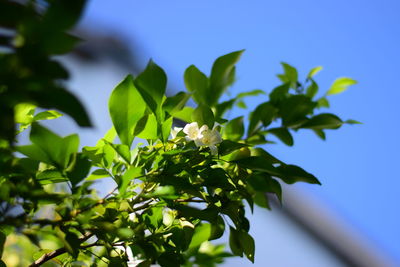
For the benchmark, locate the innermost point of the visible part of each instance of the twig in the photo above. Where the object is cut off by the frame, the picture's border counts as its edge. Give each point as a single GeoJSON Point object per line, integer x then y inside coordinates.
{"type": "Point", "coordinates": [48, 256]}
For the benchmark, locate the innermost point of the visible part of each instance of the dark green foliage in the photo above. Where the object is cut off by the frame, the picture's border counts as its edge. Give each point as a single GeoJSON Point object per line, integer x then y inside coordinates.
{"type": "Point", "coordinates": [171, 196]}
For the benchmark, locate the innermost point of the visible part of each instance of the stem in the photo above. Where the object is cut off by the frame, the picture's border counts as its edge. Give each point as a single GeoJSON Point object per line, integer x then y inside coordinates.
{"type": "Point", "coordinates": [48, 256]}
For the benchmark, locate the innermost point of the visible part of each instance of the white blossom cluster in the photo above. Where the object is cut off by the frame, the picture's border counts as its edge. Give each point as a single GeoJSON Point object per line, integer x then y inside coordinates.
{"type": "Point", "coordinates": [202, 136]}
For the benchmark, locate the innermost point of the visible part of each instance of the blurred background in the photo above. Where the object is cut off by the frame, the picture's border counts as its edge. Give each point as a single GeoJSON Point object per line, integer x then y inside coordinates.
{"type": "Point", "coordinates": [353, 218]}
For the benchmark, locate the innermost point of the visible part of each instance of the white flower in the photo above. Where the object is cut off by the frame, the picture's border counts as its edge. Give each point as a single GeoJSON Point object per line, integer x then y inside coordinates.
{"type": "Point", "coordinates": [192, 131]}
{"type": "Point", "coordinates": [175, 131]}
{"type": "Point", "coordinates": [209, 138]}
{"type": "Point", "coordinates": [203, 136]}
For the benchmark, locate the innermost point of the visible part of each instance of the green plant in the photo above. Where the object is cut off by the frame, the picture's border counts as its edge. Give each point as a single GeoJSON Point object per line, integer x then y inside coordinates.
{"type": "Point", "coordinates": [172, 194]}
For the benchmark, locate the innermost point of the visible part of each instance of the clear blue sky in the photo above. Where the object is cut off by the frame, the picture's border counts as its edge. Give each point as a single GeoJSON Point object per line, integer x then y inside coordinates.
{"type": "Point", "coordinates": [359, 39]}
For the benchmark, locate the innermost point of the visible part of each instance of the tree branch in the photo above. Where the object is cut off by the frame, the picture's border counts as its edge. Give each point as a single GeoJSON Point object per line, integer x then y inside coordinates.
{"type": "Point", "coordinates": [48, 256]}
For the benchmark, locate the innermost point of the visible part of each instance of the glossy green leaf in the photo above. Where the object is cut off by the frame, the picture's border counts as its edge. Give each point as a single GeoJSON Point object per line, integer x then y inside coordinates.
{"type": "Point", "coordinates": [283, 134]}
{"type": "Point", "coordinates": [79, 169]}
{"type": "Point", "coordinates": [151, 84]}
{"type": "Point", "coordinates": [264, 113]}
{"type": "Point", "coordinates": [323, 103]}
{"type": "Point", "coordinates": [289, 76]}
{"type": "Point", "coordinates": [24, 113]}
{"type": "Point", "coordinates": [279, 93]}
{"type": "Point", "coordinates": [258, 163]}
{"type": "Point", "coordinates": [312, 89]}
{"type": "Point", "coordinates": [58, 149]}
{"type": "Point", "coordinates": [217, 228]}
{"type": "Point", "coordinates": [201, 234]}
{"type": "Point", "coordinates": [340, 85]}
{"type": "Point", "coordinates": [314, 71]}
{"type": "Point", "coordinates": [234, 129]}
{"type": "Point", "coordinates": [175, 103]}
{"type": "Point", "coordinates": [129, 175]}
{"type": "Point", "coordinates": [126, 107]}
{"type": "Point", "coordinates": [47, 115]}
{"type": "Point", "coordinates": [62, 100]}
{"type": "Point", "coordinates": [166, 129]}
{"type": "Point", "coordinates": [98, 174]}
{"type": "Point", "coordinates": [34, 152]}
{"type": "Point", "coordinates": [203, 115]}
{"type": "Point", "coordinates": [235, 243]}
{"type": "Point", "coordinates": [294, 110]}
{"type": "Point", "coordinates": [197, 83]}
{"type": "Point", "coordinates": [248, 245]}
{"type": "Point", "coordinates": [185, 114]}
{"type": "Point", "coordinates": [226, 147]}
{"type": "Point", "coordinates": [323, 121]}
{"type": "Point", "coordinates": [292, 174]}
{"type": "Point", "coordinates": [352, 122]}
{"type": "Point", "coordinates": [147, 127]}
{"type": "Point", "coordinates": [222, 76]}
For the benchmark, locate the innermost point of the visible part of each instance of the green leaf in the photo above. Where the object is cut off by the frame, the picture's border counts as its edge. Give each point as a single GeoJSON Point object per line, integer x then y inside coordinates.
{"type": "Point", "coordinates": [175, 103]}
{"type": "Point", "coordinates": [24, 113]}
{"type": "Point", "coordinates": [201, 234]}
{"type": "Point", "coordinates": [352, 122]}
{"type": "Point", "coordinates": [147, 127]}
{"type": "Point", "coordinates": [98, 174]}
{"type": "Point", "coordinates": [126, 108]}
{"type": "Point", "coordinates": [283, 134]}
{"type": "Point", "coordinates": [323, 121]}
{"type": "Point", "coordinates": [226, 147]}
{"type": "Point", "coordinates": [247, 243]}
{"type": "Point", "coordinates": [203, 115]}
{"type": "Point", "coordinates": [323, 103]}
{"type": "Point", "coordinates": [151, 84]}
{"type": "Point", "coordinates": [47, 115]}
{"type": "Point", "coordinates": [153, 217]}
{"type": "Point", "coordinates": [58, 149]}
{"type": "Point", "coordinates": [62, 100]}
{"type": "Point", "coordinates": [294, 110]}
{"type": "Point", "coordinates": [125, 233]}
{"type": "Point", "coordinates": [258, 151]}
{"type": "Point", "coordinates": [185, 114]}
{"type": "Point", "coordinates": [264, 113]}
{"type": "Point", "coordinates": [265, 183]}
{"type": "Point", "coordinates": [234, 242]}
{"type": "Point", "coordinates": [34, 152]}
{"type": "Point", "coordinates": [314, 71]}
{"type": "Point", "coordinates": [258, 163]}
{"type": "Point", "coordinates": [320, 133]}
{"type": "Point", "coordinates": [123, 151]}
{"type": "Point", "coordinates": [234, 129]}
{"type": "Point", "coordinates": [279, 93]}
{"type": "Point", "coordinates": [340, 85]}
{"type": "Point", "coordinates": [50, 176]}
{"type": "Point", "coordinates": [222, 76]}
{"type": "Point", "coordinates": [197, 83]}
{"type": "Point", "coordinates": [129, 175]}
{"type": "Point", "coordinates": [292, 174]}
{"type": "Point", "coordinates": [166, 129]}
{"type": "Point", "coordinates": [312, 89]}
{"type": "Point", "coordinates": [79, 169]}
{"type": "Point", "coordinates": [254, 92]}
{"type": "Point", "coordinates": [217, 228]}
{"type": "Point", "coordinates": [289, 76]}
{"type": "Point", "coordinates": [63, 14]}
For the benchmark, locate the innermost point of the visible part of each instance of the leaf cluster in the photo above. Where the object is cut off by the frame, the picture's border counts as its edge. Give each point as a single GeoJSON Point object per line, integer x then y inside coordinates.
{"type": "Point", "coordinates": [170, 198]}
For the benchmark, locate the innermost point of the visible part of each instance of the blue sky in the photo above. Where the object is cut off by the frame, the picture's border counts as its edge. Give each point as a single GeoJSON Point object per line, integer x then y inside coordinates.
{"type": "Point", "coordinates": [358, 39]}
